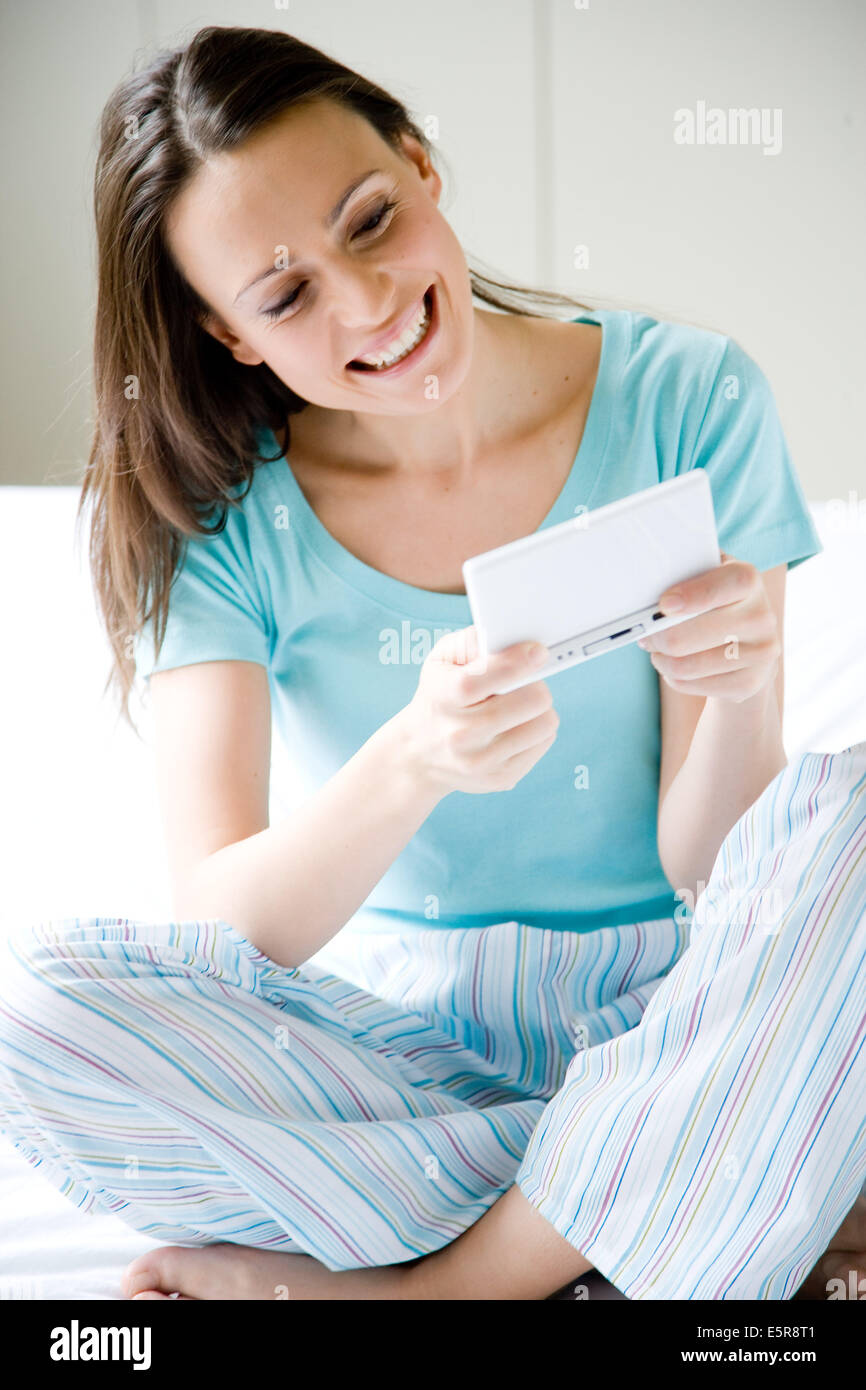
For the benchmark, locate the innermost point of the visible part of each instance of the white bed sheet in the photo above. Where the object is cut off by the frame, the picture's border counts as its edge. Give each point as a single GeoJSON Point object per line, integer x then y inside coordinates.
{"type": "Point", "coordinates": [51, 1249]}
{"type": "Point", "coordinates": [80, 788]}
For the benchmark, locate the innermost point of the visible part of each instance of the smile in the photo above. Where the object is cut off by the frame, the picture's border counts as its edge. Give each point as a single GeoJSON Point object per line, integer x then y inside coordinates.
{"type": "Point", "coordinates": [405, 345]}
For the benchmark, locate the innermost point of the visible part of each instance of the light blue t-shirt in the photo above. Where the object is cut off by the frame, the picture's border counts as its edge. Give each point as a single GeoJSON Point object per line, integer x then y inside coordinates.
{"type": "Point", "coordinates": [573, 845]}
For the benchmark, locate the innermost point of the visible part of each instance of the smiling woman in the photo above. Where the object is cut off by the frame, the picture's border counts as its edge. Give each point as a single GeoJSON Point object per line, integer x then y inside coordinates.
{"type": "Point", "coordinates": [517, 1059]}
{"type": "Point", "coordinates": [263, 309]}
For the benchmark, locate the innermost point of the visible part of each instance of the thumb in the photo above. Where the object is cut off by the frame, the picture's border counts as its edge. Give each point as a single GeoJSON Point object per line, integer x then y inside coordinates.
{"type": "Point", "coordinates": [459, 648]}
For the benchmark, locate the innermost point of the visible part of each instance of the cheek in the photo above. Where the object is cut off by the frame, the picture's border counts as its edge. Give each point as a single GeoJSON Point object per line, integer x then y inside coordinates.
{"type": "Point", "coordinates": [448, 260]}
{"type": "Point", "coordinates": [300, 358]}
{"type": "Point", "coordinates": [425, 239]}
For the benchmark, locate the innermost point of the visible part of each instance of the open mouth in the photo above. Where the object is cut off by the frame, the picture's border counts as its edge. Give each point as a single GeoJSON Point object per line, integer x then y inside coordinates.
{"type": "Point", "coordinates": [410, 341]}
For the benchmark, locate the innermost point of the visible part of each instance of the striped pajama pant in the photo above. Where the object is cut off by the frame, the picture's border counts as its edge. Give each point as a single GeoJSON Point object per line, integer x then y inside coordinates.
{"type": "Point", "coordinates": [683, 1100]}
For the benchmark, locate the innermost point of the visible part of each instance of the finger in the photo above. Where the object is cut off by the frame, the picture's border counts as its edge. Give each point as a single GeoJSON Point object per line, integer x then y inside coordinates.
{"type": "Point", "coordinates": [716, 662]}
{"type": "Point", "coordinates": [520, 763]}
{"type": "Point", "coordinates": [526, 736]}
{"type": "Point", "coordinates": [480, 678]}
{"type": "Point", "coordinates": [459, 648]}
{"type": "Point", "coordinates": [736, 685]}
{"type": "Point", "coordinates": [729, 582]}
{"type": "Point", "coordinates": [498, 713]}
{"type": "Point", "coordinates": [735, 623]}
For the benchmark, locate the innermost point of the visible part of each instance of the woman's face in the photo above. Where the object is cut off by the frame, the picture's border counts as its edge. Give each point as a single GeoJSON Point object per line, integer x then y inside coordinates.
{"type": "Point", "coordinates": [307, 282]}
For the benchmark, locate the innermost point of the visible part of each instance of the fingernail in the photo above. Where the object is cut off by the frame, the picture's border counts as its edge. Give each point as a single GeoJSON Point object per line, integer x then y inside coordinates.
{"type": "Point", "coordinates": [537, 653]}
{"type": "Point", "coordinates": [672, 602]}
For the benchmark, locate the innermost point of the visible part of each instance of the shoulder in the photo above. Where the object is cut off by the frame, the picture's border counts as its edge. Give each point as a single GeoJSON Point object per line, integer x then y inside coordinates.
{"type": "Point", "coordinates": [218, 597]}
{"type": "Point", "coordinates": [673, 357]}
{"type": "Point", "coordinates": [683, 375]}
{"type": "Point", "coordinates": [233, 521]}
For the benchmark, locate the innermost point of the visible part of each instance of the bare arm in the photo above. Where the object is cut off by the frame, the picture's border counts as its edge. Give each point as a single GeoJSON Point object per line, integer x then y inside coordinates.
{"type": "Point", "coordinates": [717, 758]}
{"type": "Point", "coordinates": [289, 888]}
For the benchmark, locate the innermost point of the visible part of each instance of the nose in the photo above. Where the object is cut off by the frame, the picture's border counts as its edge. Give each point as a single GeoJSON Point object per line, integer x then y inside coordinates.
{"type": "Point", "coordinates": [363, 300]}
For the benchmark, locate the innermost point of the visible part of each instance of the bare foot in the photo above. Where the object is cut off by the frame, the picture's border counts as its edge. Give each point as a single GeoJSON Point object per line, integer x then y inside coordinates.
{"type": "Point", "coordinates": [229, 1271]}
{"type": "Point", "coordinates": [225, 1270]}
{"type": "Point", "coordinates": [844, 1258]}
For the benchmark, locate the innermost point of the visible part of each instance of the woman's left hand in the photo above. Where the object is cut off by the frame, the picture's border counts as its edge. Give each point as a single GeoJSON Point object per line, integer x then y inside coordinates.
{"type": "Point", "coordinates": [731, 649]}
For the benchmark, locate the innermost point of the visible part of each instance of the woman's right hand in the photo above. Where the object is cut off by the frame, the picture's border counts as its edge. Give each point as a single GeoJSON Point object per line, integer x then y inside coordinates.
{"type": "Point", "coordinates": [461, 736]}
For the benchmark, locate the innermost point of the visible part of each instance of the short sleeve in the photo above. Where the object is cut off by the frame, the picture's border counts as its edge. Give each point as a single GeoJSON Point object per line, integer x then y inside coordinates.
{"type": "Point", "coordinates": [762, 514]}
{"type": "Point", "coordinates": [215, 609]}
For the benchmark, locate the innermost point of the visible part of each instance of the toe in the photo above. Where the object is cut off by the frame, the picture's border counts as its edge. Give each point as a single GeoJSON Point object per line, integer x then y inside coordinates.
{"type": "Point", "coordinates": [169, 1297]}
{"type": "Point", "coordinates": [157, 1271]}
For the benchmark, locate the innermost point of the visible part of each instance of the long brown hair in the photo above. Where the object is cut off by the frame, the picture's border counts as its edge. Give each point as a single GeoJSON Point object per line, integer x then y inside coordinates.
{"type": "Point", "coordinates": [175, 414]}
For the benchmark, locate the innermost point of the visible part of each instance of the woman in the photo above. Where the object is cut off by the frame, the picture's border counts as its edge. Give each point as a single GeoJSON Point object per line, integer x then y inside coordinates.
{"type": "Point", "coordinates": [522, 1059]}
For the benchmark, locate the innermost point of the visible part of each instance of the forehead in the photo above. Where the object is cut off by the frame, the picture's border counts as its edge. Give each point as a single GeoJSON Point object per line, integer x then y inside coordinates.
{"type": "Point", "coordinates": [275, 189]}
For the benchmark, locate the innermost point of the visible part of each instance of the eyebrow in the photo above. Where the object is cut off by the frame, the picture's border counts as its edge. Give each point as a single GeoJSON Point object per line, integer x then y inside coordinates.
{"type": "Point", "coordinates": [329, 222]}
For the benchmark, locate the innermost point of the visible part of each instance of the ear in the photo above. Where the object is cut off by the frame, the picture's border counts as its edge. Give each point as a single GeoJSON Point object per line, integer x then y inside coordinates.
{"type": "Point", "coordinates": [239, 350]}
{"type": "Point", "coordinates": [415, 152]}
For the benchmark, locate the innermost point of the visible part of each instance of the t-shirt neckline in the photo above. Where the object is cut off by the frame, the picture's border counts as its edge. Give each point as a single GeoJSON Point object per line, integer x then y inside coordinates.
{"type": "Point", "coordinates": [454, 608]}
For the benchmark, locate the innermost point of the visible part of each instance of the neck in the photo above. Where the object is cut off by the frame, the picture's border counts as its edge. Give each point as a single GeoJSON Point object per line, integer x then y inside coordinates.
{"type": "Point", "coordinates": [448, 437]}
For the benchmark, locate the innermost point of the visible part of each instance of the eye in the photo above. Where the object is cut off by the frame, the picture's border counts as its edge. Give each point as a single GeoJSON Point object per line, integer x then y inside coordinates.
{"type": "Point", "coordinates": [371, 225]}
{"type": "Point", "coordinates": [375, 219]}
{"type": "Point", "coordinates": [286, 303]}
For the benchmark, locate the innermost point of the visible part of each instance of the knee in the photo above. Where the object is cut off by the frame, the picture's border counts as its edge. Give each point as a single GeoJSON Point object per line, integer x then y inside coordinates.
{"type": "Point", "coordinates": [42, 969]}
{"type": "Point", "coordinates": [807, 827]}
{"type": "Point", "coordinates": [824, 795]}
{"type": "Point", "coordinates": [50, 951]}
{"type": "Point", "coordinates": [94, 980]}
{"type": "Point", "coordinates": [828, 809]}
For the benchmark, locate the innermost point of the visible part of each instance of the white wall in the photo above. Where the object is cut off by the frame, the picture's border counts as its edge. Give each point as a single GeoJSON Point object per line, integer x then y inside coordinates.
{"type": "Point", "coordinates": [557, 123]}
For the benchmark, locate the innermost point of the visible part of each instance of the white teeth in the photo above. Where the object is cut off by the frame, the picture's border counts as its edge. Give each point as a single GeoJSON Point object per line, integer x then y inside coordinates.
{"type": "Point", "coordinates": [403, 344]}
